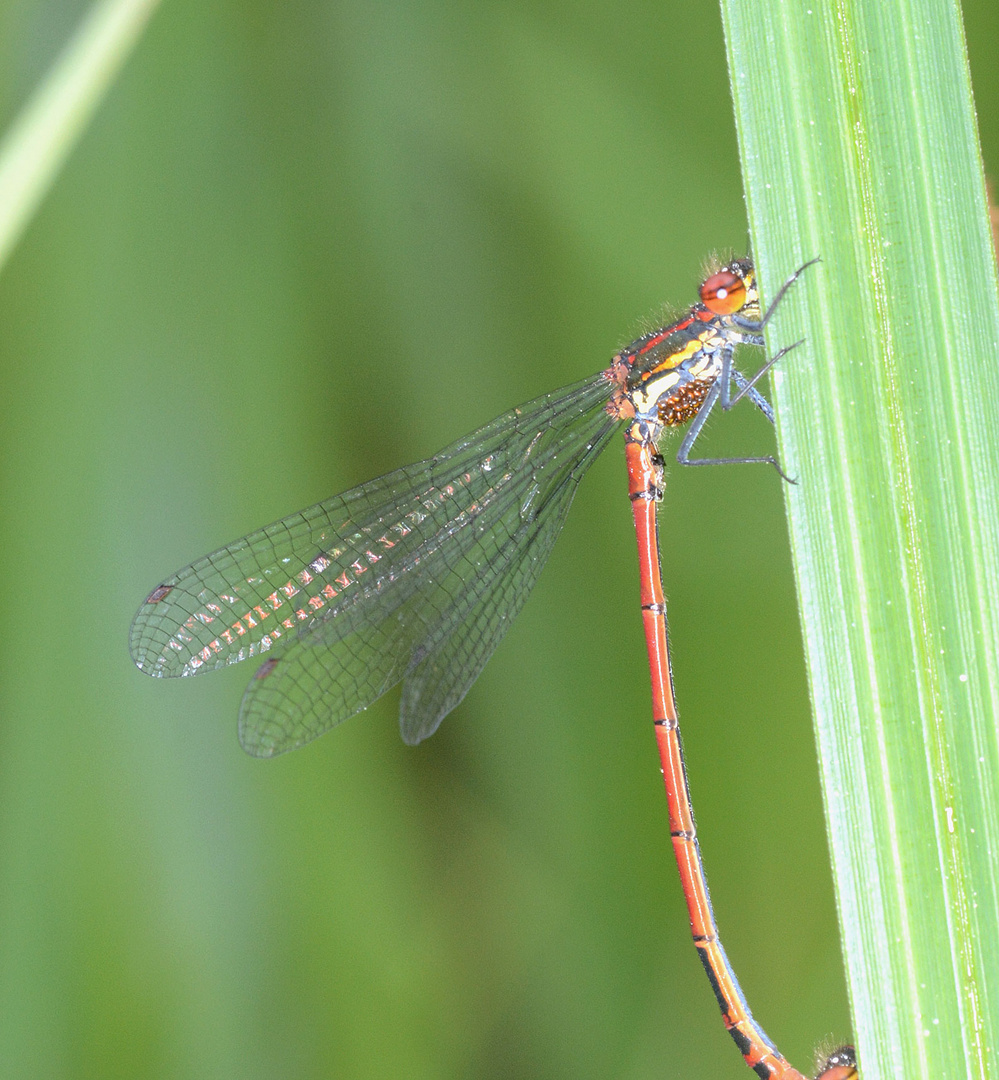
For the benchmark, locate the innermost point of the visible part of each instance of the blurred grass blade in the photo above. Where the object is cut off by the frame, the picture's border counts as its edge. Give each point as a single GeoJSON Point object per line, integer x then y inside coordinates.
{"type": "Point", "coordinates": [859, 144]}
{"type": "Point", "coordinates": [41, 138]}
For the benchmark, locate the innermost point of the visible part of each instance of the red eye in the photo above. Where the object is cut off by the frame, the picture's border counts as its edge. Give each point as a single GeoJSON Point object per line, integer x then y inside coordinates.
{"type": "Point", "coordinates": [723, 293]}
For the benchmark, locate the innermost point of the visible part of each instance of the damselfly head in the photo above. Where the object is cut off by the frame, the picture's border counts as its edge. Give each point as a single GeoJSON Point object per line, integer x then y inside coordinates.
{"type": "Point", "coordinates": [731, 289]}
{"type": "Point", "coordinates": [840, 1065]}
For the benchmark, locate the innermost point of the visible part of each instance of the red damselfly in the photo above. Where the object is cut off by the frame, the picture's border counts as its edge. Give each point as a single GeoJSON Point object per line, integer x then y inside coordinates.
{"type": "Point", "coordinates": [415, 577]}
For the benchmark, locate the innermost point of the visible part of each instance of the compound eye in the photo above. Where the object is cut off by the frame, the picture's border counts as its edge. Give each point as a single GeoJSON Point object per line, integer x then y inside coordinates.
{"type": "Point", "coordinates": [723, 293]}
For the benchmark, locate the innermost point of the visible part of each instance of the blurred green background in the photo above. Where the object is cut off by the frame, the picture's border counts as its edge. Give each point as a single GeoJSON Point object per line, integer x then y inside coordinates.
{"type": "Point", "coordinates": [304, 243]}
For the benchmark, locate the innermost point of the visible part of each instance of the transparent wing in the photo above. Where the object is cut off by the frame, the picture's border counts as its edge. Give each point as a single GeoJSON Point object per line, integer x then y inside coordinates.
{"type": "Point", "coordinates": [338, 666]}
{"type": "Point", "coordinates": [296, 696]}
{"type": "Point", "coordinates": [442, 670]}
{"type": "Point", "coordinates": [340, 595]}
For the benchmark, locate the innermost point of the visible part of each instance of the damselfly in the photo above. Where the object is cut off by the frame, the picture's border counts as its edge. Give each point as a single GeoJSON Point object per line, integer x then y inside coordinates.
{"type": "Point", "coordinates": [416, 576]}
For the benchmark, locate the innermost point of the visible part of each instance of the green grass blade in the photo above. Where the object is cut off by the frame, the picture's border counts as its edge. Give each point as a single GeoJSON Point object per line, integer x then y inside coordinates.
{"type": "Point", "coordinates": [859, 144]}
{"type": "Point", "coordinates": [40, 140]}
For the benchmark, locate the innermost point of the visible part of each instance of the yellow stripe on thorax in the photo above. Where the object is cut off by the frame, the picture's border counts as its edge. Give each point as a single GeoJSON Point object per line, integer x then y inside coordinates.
{"type": "Point", "coordinates": [662, 379]}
